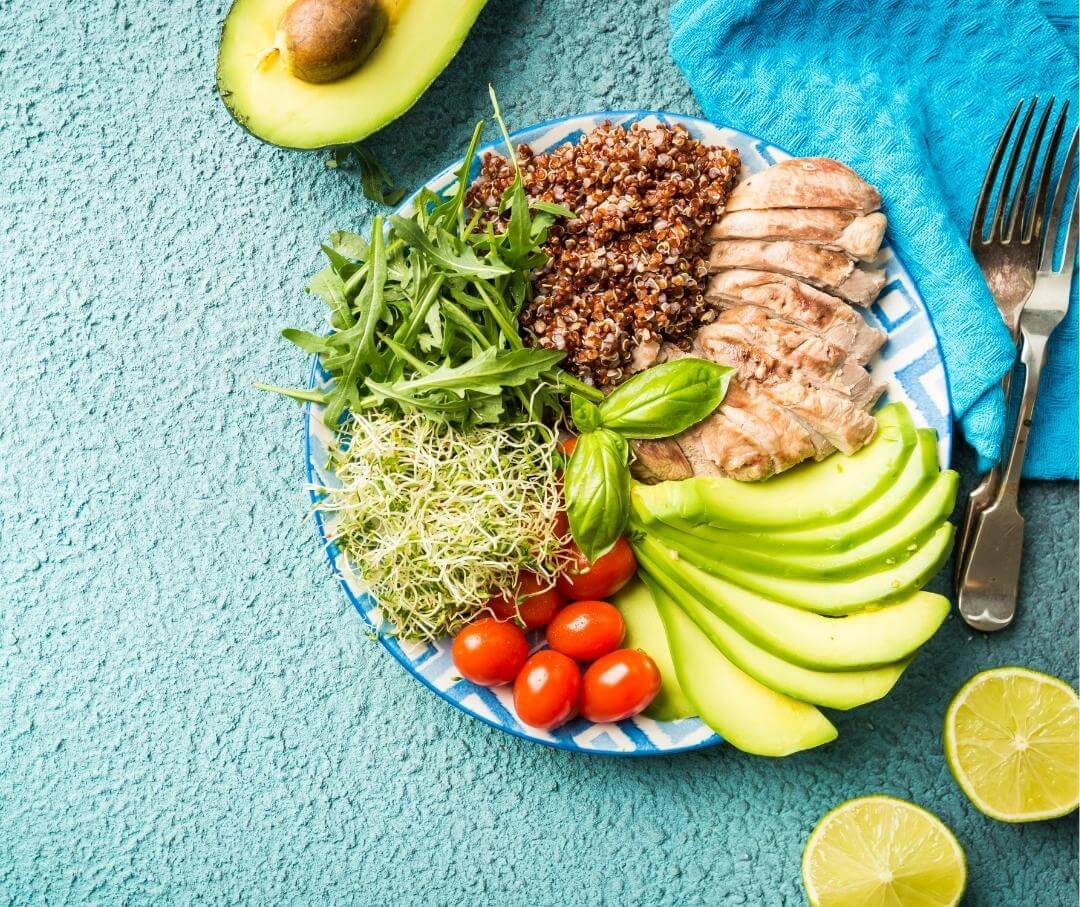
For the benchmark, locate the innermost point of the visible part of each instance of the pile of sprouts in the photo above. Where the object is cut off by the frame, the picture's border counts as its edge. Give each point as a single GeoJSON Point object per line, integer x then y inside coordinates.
{"type": "Point", "coordinates": [434, 520]}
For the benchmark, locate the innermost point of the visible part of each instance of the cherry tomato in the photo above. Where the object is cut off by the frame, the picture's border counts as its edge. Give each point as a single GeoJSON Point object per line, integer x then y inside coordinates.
{"type": "Point", "coordinates": [561, 527]}
{"type": "Point", "coordinates": [537, 605]}
{"type": "Point", "coordinates": [582, 580]}
{"type": "Point", "coordinates": [547, 690]}
{"type": "Point", "coordinates": [567, 445]}
{"type": "Point", "coordinates": [619, 685]}
{"type": "Point", "coordinates": [586, 630]}
{"type": "Point", "coordinates": [489, 652]}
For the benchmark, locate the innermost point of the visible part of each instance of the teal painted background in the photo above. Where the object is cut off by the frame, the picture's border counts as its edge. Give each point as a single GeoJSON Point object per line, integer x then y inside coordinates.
{"type": "Point", "coordinates": [189, 709]}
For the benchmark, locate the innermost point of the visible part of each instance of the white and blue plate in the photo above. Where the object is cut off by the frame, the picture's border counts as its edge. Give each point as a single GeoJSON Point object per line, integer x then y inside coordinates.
{"type": "Point", "coordinates": [910, 365]}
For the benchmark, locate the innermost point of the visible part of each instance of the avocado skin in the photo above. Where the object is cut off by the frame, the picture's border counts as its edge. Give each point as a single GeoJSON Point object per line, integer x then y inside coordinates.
{"type": "Point", "coordinates": [448, 44]}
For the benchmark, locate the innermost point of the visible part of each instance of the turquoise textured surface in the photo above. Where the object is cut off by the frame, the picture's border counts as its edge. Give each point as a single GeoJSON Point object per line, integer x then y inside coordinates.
{"type": "Point", "coordinates": [190, 709]}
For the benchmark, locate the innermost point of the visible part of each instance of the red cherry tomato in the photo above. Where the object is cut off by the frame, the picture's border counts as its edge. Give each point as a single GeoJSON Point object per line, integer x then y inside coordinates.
{"type": "Point", "coordinates": [489, 652]}
{"type": "Point", "coordinates": [582, 580]}
{"type": "Point", "coordinates": [567, 445]}
{"type": "Point", "coordinates": [586, 630]}
{"type": "Point", "coordinates": [619, 685]}
{"type": "Point", "coordinates": [561, 528]}
{"type": "Point", "coordinates": [537, 605]}
{"type": "Point", "coordinates": [547, 690]}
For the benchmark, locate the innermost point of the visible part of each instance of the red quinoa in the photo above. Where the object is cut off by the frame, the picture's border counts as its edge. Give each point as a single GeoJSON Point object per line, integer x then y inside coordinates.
{"type": "Point", "coordinates": [631, 267]}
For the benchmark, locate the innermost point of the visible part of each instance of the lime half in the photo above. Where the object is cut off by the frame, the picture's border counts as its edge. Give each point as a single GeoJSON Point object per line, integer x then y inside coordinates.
{"type": "Point", "coordinates": [1012, 739]}
{"type": "Point", "coordinates": [880, 850]}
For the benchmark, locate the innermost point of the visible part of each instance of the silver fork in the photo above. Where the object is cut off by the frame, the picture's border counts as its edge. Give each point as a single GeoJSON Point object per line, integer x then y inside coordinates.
{"type": "Point", "coordinates": [1008, 260]}
{"type": "Point", "coordinates": [990, 579]}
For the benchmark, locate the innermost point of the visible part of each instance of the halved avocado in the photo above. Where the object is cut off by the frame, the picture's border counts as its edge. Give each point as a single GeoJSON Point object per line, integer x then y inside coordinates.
{"type": "Point", "coordinates": [319, 73]}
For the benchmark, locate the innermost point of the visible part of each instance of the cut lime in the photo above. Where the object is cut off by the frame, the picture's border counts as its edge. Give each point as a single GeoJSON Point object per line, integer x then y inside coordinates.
{"type": "Point", "coordinates": [880, 850]}
{"type": "Point", "coordinates": [1012, 740]}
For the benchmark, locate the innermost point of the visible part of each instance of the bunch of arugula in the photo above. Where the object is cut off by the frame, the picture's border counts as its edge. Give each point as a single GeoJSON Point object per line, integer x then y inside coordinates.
{"type": "Point", "coordinates": [424, 313]}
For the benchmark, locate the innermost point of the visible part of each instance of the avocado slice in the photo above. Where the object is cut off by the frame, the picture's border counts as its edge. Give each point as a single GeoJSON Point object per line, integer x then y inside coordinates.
{"type": "Point", "coordinates": [867, 639]}
{"type": "Point", "coordinates": [841, 595]}
{"type": "Point", "coordinates": [919, 472]}
{"type": "Point", "coordinates": [807, 495]}
{"type": "Point", "coordinates": [645, 631]}
{"type": "Point", "coordinates": [832, 689]}
{"type": "Point", "coordinates": [744, 712]}
{"type": "Point", "coordinates": [883, 553]}
{"type": "Point", "coordinates": [292, 85]}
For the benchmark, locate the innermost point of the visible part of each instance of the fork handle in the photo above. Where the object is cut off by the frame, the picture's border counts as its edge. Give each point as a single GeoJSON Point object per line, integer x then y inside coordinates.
{"type": "Point", "coordinates": [990, 581]}
{"type": "Point", "coordinates": [980, 497]}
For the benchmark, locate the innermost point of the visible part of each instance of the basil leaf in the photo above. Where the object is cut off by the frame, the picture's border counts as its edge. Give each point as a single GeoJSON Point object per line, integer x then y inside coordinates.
{"type": "Point", "coordinates": [665, 399]}
{"type": "Point", "coordinates": [597, 488]}
{"type": "Point", "coordinates": [586, 413]}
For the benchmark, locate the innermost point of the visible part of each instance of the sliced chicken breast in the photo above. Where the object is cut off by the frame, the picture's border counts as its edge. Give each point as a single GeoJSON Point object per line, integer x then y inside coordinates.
{"type": "Point", "coordinates": [787, 440]}
{"type": "Point", "coordinates": [659, 461]}
{"type": "Point", "coordinates": [824, 268]}
{"type": "Point", "coordinates": [834, 416]}
{"type": "Point", "coordinates": [798, 302]}
{"type": "Point", "coordinates": [808, 182]}
{"type": "Point", "coordinates": [718, 446]}
{"type": "Point", "coordinates": [844, 231]}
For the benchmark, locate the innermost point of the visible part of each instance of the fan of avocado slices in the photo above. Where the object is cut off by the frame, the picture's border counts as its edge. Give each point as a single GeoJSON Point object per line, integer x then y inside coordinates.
{"type": "Point", "coordinates": [762, 603]}
{"type": "Point", "coordinates": [325, 73]}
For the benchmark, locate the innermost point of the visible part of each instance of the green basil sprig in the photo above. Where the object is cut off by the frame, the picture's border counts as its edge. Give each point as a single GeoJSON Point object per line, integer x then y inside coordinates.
{"type": "Point", "coordinates": [666, 399]}
{"type": "Point", "coordinates": [597, 488]}
{"type": "Point", "coordinates": [657, 403]}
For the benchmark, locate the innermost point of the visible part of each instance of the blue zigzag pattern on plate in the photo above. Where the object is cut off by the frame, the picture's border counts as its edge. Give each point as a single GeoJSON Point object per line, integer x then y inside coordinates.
{"type": "Point", "coordinates": [910, 366]}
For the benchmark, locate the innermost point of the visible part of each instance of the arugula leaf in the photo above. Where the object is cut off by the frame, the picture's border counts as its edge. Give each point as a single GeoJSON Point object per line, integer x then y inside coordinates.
{"type": "Point", "coordinates": [351, 245]}
{"type": "Point", "coordinates": [328, 285]}
{"type": "Point", "coordinates": [552, 208]}
{"type": "Point", "coordinates": [596, 484]}
{"type": "Point", "coordinates": [487, 373]}
{"type": "Point", "coordinates": [666, 399]}
{"type": "Point", "coordinates": [308, 342]}
{"type": "Point", "coordinates": [375, 181]}
{"type": "Point", "coordinates": [301, 395]}
{"type": "Point", "coordinates": [464, 262]}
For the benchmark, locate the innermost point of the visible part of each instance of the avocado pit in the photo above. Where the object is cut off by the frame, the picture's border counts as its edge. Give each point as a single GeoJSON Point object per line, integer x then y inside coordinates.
{"type": "Point", "coordinates": [325, 40]}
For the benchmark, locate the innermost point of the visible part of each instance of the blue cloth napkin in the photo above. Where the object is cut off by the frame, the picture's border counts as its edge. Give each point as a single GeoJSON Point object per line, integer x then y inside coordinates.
{"type": "Point", "coordinates": [913, 95]}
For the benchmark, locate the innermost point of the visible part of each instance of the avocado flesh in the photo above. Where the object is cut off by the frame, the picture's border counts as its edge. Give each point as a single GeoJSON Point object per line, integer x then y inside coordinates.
{"type": "Point", "coordinates": [840, 595]}
{"type": "Point", "coordinates": [869, 638]}
{"type": "Point", "coordinates": [920, 471]}
{"type": "Point", "coordinates": [878, 553]}
{"type": "Point", "coordinates": [832, 689]}
{"type": "Point", "coordinates": [744, 712]}
{"type": "Point", "coordinates": [807, 495]}
{"type": "Point", "coordinates": [421, 38]}
{"type": "Point", "coordinates": [645, 631]}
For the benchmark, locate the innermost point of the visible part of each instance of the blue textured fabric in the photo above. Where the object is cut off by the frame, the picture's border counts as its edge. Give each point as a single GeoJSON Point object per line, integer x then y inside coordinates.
{"type": "Point", "coordinates": [914, 97]}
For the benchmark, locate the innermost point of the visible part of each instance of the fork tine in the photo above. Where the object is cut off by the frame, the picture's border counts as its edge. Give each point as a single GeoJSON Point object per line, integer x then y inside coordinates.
{"type": "Point", "coordinates": [1010, 169]}
{"type": "Point", "coordinates": [1046, 258]}
{"type": "Point", "coordinates": [1033, 231]}
{"type": "Point", "coordinates": [983, 204]}
{"type": "Point", "coordinates": [1020, 196]}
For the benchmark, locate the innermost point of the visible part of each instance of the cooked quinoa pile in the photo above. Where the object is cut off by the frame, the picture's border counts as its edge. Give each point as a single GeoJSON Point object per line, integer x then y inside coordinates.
{"type": "Point", "coordinates": [631, 268]}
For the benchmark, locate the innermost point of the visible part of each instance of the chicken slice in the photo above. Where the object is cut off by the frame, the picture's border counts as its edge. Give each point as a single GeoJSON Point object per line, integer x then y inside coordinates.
{"type": "Point", "coordinates": [659, 461]}
{"type": "Point", "coordinates": [808, 182]}
{"type": "Point", "coordinates": [820, 403]}
{"type": "Point", "coordinates": [845, 231]}
{"type": "Point", "coordinates": [782, 340]}
{"type": "Point", "coordinates": [786, 438]}
{"type": "Point", "coordinates": [800, 303]}
{"type": "Point", "coordinates": [717, 446]}
{"type": "Point", "coordinates": [824, 268]}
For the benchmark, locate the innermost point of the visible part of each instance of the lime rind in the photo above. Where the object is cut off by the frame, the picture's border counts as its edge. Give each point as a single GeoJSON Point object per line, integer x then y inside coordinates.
{"type": "Point", "coordinates": [963, 777]}
{"type": "Point", "coordinates": [913, 897]}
